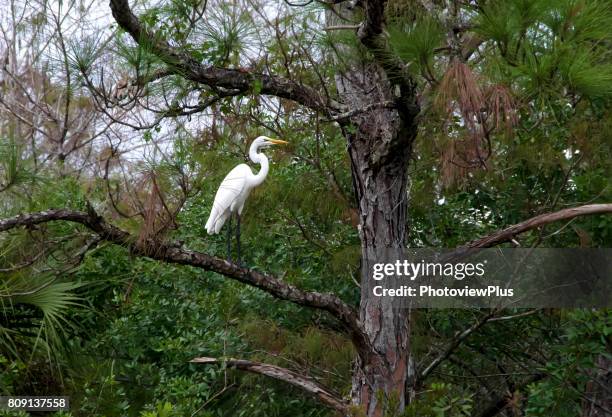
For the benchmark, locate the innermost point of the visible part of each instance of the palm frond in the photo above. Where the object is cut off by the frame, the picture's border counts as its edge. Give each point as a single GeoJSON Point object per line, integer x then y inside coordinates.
{"type": "Point", "coordinates": [48, 302]}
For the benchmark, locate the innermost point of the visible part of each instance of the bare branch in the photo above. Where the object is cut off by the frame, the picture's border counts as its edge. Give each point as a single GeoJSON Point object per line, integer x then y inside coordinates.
{"type": "Point", "coordinates": [460, 337]}
{"type": "Point", "coordinates": [342, 27]}
{"type": "Point", "coordinates": [516, 316]}
{"type": "Point", "coordinates": [25, 264]}
{"type": "Point", "coordinates": [502, 236]}
{"type": "Point", "coordinates": [175, 254]}
{"type": "Point", "coordinates": [323, 394]}
{"type": "Point", "coordinates": [507, 234]}
{"type": "Point", "coordinates": [236, 79]}
{"type": "Point", "coordinates": [454, 344]}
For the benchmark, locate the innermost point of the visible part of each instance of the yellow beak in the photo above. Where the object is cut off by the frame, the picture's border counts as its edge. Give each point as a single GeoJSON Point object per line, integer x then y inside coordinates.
{"type": "Point", "coordinates": [277, 142]}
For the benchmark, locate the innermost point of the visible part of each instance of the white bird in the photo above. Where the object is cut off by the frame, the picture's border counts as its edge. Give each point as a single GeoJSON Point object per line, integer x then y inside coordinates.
{"type": "Point", "coordinates": [235, 189]}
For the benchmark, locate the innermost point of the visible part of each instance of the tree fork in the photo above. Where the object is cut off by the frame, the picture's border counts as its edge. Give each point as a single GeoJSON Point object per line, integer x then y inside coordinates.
{"type": "Point", "coordinates": [379, 146]}
{"type": "Point", "coordinates": [381, 191]}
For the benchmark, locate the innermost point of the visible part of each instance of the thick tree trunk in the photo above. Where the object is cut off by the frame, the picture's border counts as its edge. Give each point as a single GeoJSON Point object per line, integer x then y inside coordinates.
{"type": "Point", "coordinates": [598, 397]}
{"type": "Point", "coordinates": [379, 146]}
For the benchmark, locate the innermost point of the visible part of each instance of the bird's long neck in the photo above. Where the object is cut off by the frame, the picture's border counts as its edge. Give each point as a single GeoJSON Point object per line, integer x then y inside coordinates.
{"type": "Point", "coordinates": [259, 158]}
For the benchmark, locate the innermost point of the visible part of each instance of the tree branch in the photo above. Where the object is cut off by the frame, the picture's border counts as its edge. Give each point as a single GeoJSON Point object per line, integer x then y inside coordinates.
{"type": "Point", "coordinates": [460, 337]}
{"type": "Point", "coordinates": [236, 79]}
{"type": "Point", "coordinates": [173, 253]}
{"type": "Point", "coordinates": [372, 36]}
{"type": "Point", "coordinates": [323, 394]}
{"type": "Point", "coordinates": [453, 345]}
{"type": "Point", "coordinates": [507, 234]}
{"type": "Point", "coordinates": [496, 238]}
{"type": "Point", "coordinates": [341, 27]}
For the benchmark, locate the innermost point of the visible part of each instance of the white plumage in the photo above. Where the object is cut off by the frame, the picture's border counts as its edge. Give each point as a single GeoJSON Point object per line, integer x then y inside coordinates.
{"type": "Point", "coordinates": [237, 185]}
{"type": "Point", "coordinates": [230, 198]}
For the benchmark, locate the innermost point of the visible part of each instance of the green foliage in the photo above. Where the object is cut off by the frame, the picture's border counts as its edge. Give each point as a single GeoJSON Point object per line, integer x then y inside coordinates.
{"type": "Point", "coordinates": [13, 170]}
{"type": "Point", "coordinates": [572, 365]}
{"type": "Point", "coordinates": [551, 45]}
{"type": "Point", "coordinates": [416, 43]}
{"type": "Point", "coordinates": [161, 410]}
{"type": "Point", "coordinates": [127, 353]}
{"type": "Point", "coordinates": [585, 75]}
{"type": "Point", "coordinates": [441, 400]}
{"type": "Point", "coordinates": [84, 53]}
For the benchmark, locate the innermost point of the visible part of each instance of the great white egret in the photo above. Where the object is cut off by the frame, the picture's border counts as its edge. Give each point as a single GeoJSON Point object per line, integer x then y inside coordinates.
{"type": "Point", "coordinates": [235, 188]}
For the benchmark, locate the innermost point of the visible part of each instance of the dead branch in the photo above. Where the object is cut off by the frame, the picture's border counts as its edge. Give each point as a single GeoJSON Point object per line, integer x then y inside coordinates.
{"type": "Point", "coordinates": [454, 344]}
{"type": "Point", "coordinates": [175, 254]}
{"type": "Point", "coordinates": [507, 234]}
{"type": "Point", "coordinates": [305, 383]}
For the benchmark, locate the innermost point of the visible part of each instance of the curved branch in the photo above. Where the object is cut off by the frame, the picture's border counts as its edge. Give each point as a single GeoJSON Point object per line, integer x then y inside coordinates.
{"type": "Point", "coordinates": [453, 345]}
{"type": "Point", "coordinates": [323, 394]}
{"type": "Point", "coordinates": [507, 234]}
{"type": "Point", "coordinates": [372, 36]}
{"type": "Point", "coordinates": [460, 338]}
{"type": "Point", "coordinates": [236, 79]}
{"type": "Point", "coordinates": [173, 253]}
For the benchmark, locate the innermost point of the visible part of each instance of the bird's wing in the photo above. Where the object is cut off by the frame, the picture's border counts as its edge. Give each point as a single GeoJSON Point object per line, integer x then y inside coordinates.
{"type": "Point", "coordinates": [229, 192]}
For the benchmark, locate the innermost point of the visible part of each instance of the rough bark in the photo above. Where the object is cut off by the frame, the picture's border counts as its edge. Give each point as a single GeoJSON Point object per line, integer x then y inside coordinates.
{"type": "Point", "coordinates": [598, 396]}
{"type": "Point", "coordinates": [381, 192]}
{"type": "Point", "coordinates": [379, 146]}
{"type": "Point", "coordinates": [175, 254]}
{"type": "Point", "coordinates": [305, 383]}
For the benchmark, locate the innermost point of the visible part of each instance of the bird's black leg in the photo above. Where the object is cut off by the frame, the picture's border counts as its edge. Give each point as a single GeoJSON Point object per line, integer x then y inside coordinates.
{"type": "Point", "coordinates": [238, 237]}
{"type": "Point", "coordinates": [229, 239]}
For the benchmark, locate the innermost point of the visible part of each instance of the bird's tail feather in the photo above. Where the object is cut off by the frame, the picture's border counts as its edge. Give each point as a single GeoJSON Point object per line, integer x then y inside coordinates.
{"type": "Point", "coordinates": [210, 229]}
